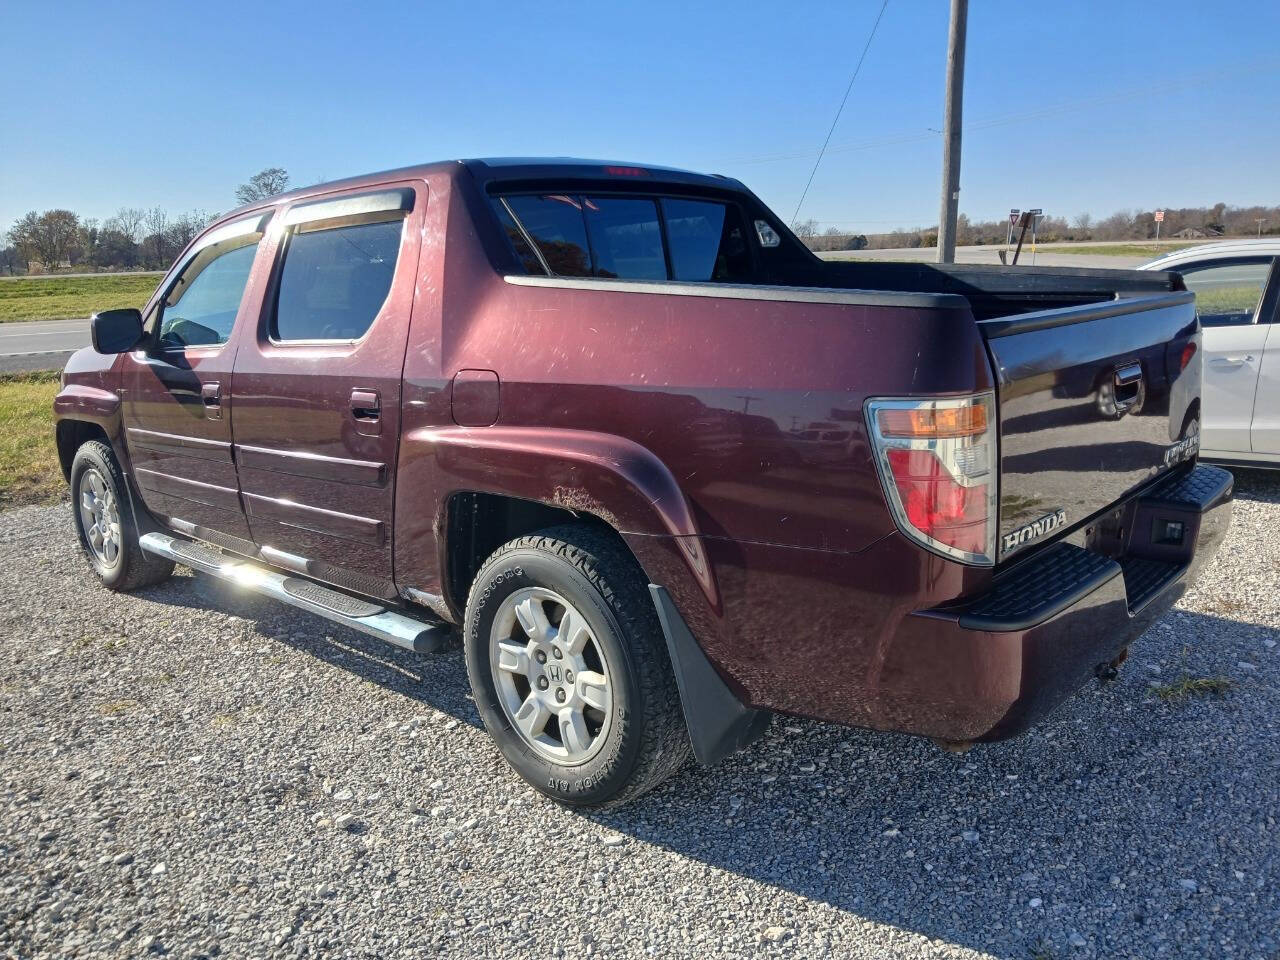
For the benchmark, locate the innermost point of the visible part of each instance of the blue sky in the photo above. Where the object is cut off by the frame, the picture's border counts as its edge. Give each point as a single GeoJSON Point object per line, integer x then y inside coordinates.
{"type": "Point", "coordinates": [1073, 107]}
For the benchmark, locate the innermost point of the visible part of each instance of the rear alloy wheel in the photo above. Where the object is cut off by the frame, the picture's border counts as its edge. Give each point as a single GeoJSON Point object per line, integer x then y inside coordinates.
{"type": "Point", "coordinates": [552, 676]}
{"type": "Point", "coordinates": [569, 667]}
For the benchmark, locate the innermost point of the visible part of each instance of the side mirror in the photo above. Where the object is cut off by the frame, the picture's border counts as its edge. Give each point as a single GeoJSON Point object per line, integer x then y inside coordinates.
{"type": "Point", "coordinates": [115, 331]}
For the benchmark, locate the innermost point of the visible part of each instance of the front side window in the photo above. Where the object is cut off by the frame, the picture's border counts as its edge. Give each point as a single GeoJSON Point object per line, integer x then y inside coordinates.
{"type": "Point", "coordinates": [335, 279]}
{"type": "Point", "coordinates": [1227, 294]}
{"type": "Point", "coordinates": [201, 306]}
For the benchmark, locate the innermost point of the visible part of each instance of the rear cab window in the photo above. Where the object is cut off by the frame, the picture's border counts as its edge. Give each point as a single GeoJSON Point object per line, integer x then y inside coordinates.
{"type": "Point", "coordinates": [627, 237]}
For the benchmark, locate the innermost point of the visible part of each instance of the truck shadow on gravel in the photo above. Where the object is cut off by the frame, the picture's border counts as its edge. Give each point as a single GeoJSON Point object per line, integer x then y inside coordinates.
{"type": "Point", "coordinates": [1084, 827]}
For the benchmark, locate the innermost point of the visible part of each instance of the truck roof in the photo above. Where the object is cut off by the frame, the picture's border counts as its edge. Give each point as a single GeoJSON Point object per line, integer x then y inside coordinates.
{"type": "Point", "coordinates": [499, 169]}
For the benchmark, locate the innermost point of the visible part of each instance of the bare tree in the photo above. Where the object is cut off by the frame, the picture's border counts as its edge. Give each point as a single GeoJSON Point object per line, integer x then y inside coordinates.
{"type": "Point", "coordinates": [1083, 222]}
{"type": "Point", "coordinates": [49, 237]}
{"type": "Point", "coordinates": [805, 230]}
{"type": "Point", "coordinates": [263, 184]}
{"type": "Point", "coordinates": [185, 227]}
{"type": "Point", "coordinates": [128, 220]}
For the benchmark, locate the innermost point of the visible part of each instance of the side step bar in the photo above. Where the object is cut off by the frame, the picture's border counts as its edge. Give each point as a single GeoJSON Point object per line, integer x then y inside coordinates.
{"type": "Point", "coordinates": [358, 614]}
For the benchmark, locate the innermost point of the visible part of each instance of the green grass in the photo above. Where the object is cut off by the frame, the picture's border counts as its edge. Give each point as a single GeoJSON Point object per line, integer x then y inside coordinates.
{"type": "Point", "coordinates": [62, 298]}
{"type": "Point", "coordinates": [29, 471]}
{"type": "Point", "coordinates": [1238, 301]}
{"type": "Point", "coordinates": [1151, 250]}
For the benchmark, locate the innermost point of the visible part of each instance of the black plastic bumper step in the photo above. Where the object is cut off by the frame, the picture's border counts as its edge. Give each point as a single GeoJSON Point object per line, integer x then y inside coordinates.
{"type": "Point", "coordinates": [1039, 588]}
{"type": "Point", "coordinates": [1144, 578]}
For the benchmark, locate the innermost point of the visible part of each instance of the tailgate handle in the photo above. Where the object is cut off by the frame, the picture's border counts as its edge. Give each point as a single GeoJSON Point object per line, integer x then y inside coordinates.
{"type": "Point", "coordinates": [1128, 383]}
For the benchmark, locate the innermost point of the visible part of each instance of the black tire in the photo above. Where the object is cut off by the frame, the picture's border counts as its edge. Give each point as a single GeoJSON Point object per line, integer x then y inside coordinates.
{"type": "Point", "coordinates": [646, 741]}
{"type": "Point", "coordinates": [132, 568]}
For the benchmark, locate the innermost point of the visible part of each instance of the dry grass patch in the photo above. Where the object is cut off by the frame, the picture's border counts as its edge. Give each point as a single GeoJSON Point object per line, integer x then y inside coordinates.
{"type": "Point", "coordinates": [1189, 686]}
{"type": "Point", "coordinates": [29, 471]}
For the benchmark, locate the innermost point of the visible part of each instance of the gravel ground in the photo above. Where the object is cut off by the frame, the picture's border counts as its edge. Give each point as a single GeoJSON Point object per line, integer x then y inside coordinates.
{"type": "Point", "coordinates": [185, 772]}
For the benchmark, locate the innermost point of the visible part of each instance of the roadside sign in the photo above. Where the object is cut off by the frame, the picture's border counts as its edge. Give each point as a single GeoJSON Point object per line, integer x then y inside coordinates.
{"type": "Point", "coordinates": [1159, 216]}
{"type": "Point", "coordinates": [1013, 215]}
{"type": "Point", "coordinates": [1037, 212]}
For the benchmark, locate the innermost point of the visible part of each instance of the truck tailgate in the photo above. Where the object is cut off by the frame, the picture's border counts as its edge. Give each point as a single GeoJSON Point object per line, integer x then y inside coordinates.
{"type": "Point", "coordinates": [1093, 401]}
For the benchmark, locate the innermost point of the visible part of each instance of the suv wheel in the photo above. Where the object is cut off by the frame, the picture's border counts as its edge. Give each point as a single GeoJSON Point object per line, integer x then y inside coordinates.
{"type": "Point", "coordinates": [104, 521]}
{"type": "Point", "coordinates": [569, 668]}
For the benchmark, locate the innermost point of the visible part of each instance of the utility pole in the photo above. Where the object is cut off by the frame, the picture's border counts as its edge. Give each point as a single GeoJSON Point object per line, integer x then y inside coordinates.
{"type": "Point", "coordinates": [951, 133]}
{"type": "Point", "coordinates": [1261, 221]}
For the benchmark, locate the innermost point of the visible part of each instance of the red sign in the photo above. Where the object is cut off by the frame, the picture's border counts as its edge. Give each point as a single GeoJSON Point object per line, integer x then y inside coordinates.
{"type": "Point", "coordinates": [1013, 216]}
{"type": "Point", "coordinates": [1159, 216]}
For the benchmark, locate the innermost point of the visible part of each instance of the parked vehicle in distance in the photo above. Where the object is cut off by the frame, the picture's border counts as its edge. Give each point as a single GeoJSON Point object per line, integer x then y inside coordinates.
{"type": "Point", "coordinates": [668, 471]}
{"type": "Point", "coordinates": [1237, 288]}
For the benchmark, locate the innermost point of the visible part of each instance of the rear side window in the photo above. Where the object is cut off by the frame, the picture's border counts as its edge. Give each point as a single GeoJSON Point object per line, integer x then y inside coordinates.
{"type": "Point", "coordinates": [626, 240]}
{"type": "Point", "coordinates": [708, 241]}
{"type": "Point", "coordinates": [555, 224]}
{"type": "Point", "coordinates": [335, 279]}
{"type": "Point", "coordinates": [629, 238]}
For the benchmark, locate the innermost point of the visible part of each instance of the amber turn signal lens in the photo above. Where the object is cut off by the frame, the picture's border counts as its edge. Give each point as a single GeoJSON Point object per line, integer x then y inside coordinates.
{"type": "Point", "coordinates": [927, 423]}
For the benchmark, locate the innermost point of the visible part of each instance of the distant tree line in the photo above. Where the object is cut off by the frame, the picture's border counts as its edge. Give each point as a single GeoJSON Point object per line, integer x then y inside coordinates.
{"type": "Point", "coordinates": [133, 239]}
{"type": "Point", "coordinates": [1190, 223]}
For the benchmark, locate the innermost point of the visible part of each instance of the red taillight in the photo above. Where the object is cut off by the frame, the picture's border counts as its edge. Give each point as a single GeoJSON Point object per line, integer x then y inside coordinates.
{"type": "Point", "coordinates": [626, 171]}
{"type": "Point", "coordinates": [938, 506]}
{"type": "Point", "coordinates": [937, 465]}
{"type": "Point", "coordinates": [1188, 352]}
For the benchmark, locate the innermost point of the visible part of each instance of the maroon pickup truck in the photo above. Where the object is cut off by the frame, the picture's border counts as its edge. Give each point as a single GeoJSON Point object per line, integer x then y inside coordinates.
{"type": "Point", "coordinates": [668, 472]}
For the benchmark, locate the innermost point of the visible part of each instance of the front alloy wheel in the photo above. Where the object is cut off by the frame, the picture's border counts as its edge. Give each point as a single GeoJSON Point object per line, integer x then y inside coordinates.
{"type": "Point", "coordinates": [100, 517]}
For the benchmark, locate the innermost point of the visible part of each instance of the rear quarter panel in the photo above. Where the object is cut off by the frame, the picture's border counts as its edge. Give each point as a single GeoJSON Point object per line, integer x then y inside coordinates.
{"type": "Point", "coordinates": [725, 437]}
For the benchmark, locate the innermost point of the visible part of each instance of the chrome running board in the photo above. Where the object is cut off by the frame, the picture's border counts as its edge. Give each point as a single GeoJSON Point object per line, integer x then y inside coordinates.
{"type": "Point", "coordinates": [359, 614]}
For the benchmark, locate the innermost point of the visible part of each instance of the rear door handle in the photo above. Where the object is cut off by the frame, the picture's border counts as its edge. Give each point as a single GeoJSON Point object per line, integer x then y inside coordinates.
{"type": "Point", "coordinates": [211, 395]}
{"type": "Point", "coordinates": [366, 404]}
{"type": "Point", "coordinates": [1235, 361]}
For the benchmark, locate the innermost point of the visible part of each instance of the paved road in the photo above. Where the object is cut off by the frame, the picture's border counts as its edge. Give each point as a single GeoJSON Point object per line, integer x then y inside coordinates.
{"type": "Point", "coordinates": [40, 344]}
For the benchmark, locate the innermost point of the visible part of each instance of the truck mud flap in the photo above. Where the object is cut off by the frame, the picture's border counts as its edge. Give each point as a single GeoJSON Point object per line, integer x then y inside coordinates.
{"type": "Point", "coordinates": [719, 724]}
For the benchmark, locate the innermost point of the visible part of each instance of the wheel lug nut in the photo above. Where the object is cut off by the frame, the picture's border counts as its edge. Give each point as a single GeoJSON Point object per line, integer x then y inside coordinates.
{"type": "Point", "coordinates": [542, 683]}
{"type": "Point", "coordinates": [568, 676]}
{"type": "Point", "coordinates": [559, 696]}
{"type": "Point", "coordinates": [559, 654]}
{"type": "Point", "coordinates": [540, 657]}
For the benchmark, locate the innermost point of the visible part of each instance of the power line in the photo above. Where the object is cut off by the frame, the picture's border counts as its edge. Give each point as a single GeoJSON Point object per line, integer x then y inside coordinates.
{"type": "Point", "coordinates": [1025, 116]}
{"type": "Point", "coordinates": [867, 46]}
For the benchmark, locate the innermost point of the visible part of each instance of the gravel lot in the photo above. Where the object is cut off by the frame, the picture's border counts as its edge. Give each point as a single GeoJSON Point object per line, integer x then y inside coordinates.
{"type": "Point", "coordinates": [185, 772]}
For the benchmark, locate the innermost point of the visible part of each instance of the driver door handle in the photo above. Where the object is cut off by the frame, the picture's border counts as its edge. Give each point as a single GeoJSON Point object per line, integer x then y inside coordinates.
{"type": "Point", "coordinates": [211, 395]}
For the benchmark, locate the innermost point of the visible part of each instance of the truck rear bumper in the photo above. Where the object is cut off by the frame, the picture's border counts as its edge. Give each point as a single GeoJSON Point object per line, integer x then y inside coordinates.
{"type": "Point", "coordinates": [988, 669]}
